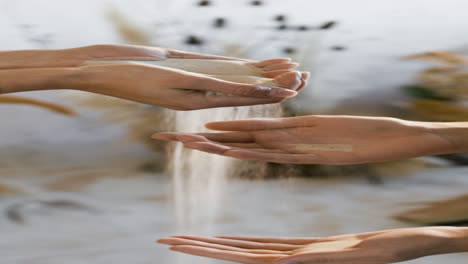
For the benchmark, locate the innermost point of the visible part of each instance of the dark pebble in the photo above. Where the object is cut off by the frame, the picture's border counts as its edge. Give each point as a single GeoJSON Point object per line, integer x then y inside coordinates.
{"type": "Point", "coordinates": [303, 28]}
{"type": "Point", "coordinates": [280, 18]}
{"type": "Point", "coordinates": [193, 40]}
{"type": "Point", "coordinates": [256, 3]}
{"type": "Point", "coordinates": [289, 50]}
{"type": "Point", "coordinates": [328, 25]}
{"type": "Point", "coordinates": [338, 48]}
{"type": "Point", "coordinates": [281, 27]}
{"type": "Point", "coordinates": [204, 3]}
{"type": "Point", "coordinates": [219, 22]}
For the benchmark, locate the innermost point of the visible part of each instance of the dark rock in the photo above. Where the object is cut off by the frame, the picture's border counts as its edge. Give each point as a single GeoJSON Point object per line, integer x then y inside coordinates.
{"type": "Point", "coordinates": [193, 40]}
{"type": "Point", "coordinates": [280, 18]}
{"type": "Point", "coordinates": [282, 27]}
{"type": "Point", "coordinates": [219, 22]}
{"type": "Point", "coordinates": [338, 48]}
{"type": "Point", "coordinates": [289, 50]}
{"type": "Point", "coordinates": [328, 25]}
{"type": "Point", "coordinates": [256, 3]}
{"type": "Point", "coordinates": [204, 3]}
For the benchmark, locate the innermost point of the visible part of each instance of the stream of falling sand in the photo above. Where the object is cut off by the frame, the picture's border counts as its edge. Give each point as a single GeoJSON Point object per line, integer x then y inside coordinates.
{"type": "Point", "coordinates": [199, 179]}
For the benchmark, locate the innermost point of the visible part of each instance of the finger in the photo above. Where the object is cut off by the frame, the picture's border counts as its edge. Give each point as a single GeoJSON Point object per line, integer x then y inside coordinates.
{"type": "Point", "coordinates": [302, 86]}
{"type": "Point", "coordinates": [291, 80]}
{"type": "Point", "coordinates": [281, 66]}
{"type": "Point", "coordinates": [206, 83]}
{"type": "Point", "coordinates": [174, 241]}
{"type": "Point", "coordinates": [243, 145]}
{"type": "Point", "coordinates": [208, 147]}
{"type": "Point", "coordinates": [170, 136]}
{"type": "Point", "coordinates": [264, 63]}
{"type": "Point", "coordinates": [214, 148]}
{"type": "Point", "coordinates": [282, 240]}
{"type": "Point", "coordinates": [185, 138]}
{"type": "Point", "coordinates": [171, 53]}
{"type": "Point", "coordinates": [304, 81]}
{"type": "Point", "coordinates": [273, 74]}
{"type": "Point", "coordinates": [261, 124]}
{"type": "Point", "coordinates": [233, 146]}
{"type": "Point", "coordinates": [274, 157]}
{"type": "Point", "coordinates": [235, 256]}
{"type": "Point", "coordinates": [229, 137]}
{"type": "Point", "coordinates": [243, 244]}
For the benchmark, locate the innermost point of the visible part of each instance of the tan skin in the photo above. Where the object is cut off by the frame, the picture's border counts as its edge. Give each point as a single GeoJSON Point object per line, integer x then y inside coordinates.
{"type": "Point", "coordinates": [166, 87]}
{"type": "Point", "coordinates": [330, 140]}
{"type": "Point", "coordinates": [382, 247]}
{"type": "Point", "coordinates": [326, 139]}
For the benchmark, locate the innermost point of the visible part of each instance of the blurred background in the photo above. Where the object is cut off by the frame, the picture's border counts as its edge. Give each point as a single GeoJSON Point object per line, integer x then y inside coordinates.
{"type": "Point", "coordinates": [82, 182]}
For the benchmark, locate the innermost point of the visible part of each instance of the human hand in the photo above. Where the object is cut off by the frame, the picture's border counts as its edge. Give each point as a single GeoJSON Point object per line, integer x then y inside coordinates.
{"type": "Point", "coordinates": [22, 59]}
{"type": "Point", "coordinates": [382, 247]}
{"type": "Point", "coordinates": [319, 139]}
{"type": "Point", "coordinates": [182, 90]}
{"type": "Point", "coordinates": [158, 76]}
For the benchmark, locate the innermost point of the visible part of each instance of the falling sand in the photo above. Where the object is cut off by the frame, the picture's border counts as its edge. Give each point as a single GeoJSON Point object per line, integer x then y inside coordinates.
{"type": "Point", "coordinates": [200, 178]}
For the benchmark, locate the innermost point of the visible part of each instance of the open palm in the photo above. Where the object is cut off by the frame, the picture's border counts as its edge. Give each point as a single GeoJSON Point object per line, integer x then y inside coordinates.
{"type": "Point", "coordinates": [381, 247]}
{"type": "Point", "coordinates": [317, 139]}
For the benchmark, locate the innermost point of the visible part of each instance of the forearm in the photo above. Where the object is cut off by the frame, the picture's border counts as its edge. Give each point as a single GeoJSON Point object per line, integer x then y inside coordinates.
{"type": "Point", "coordinates": [20, 59]}
{"type": "Point", "coordinates": [22, 80]}
{"type": "Point", "coordinates": [456, 133]}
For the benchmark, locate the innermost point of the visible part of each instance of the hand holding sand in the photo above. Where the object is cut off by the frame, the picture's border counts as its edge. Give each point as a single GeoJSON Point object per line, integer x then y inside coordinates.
{"type": "Point", "coordinates": [163, 77]}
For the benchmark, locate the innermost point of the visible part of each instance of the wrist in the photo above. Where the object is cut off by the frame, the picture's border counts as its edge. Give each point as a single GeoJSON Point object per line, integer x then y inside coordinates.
{"type": "Point", "coordinates": [460, 242]}
{"type": "Point", "coordinates": [450, 239]}
{"type": "Point", "coordinates": [453, 239]}
{"type": "Point", "coordinates": [454, 133]}
{"type": "Point", "coordinates": [22, 80]}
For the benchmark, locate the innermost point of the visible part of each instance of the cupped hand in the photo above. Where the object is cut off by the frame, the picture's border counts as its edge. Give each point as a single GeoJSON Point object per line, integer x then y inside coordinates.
{"type": "Point", "coordinates": [317, 139]}
{"type": "Point", "coordinates": [179, 90]}
{"type": "Point", "coordinates": [382, 247]}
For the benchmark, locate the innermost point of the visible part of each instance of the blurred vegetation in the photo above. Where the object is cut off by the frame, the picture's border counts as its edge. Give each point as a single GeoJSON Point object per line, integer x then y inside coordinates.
{"type": "Point", "coordinates": [453, 211]}
{"type": "Point", "coordinates": [56, 108]}
{"type": "Point", "coordinates": [441, 92]}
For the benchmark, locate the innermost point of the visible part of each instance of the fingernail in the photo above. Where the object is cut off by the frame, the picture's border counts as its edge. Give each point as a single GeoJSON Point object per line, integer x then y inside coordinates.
{"type": "Point", "coordinates": [263, 88]}
{"type": "Point", "coordinates": [279, 92]}
{"type": "Point", "coordinates": [298, 76]}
